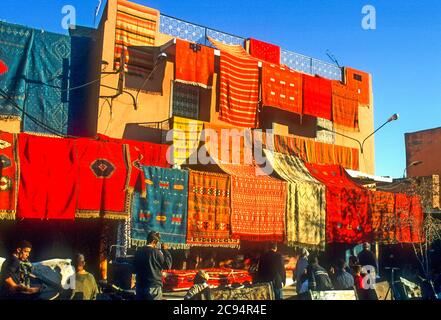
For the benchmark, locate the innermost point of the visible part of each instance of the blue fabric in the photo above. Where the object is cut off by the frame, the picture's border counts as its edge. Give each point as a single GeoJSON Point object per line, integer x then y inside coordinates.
{"type": "Point", "coordinates": [38, 76]}
{"type": "Point", "coordinates": [165, 208]}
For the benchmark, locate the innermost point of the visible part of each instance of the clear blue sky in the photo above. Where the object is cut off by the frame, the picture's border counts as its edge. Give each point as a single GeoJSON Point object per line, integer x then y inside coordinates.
{"type": "Point", "coordinates": [403, 53]}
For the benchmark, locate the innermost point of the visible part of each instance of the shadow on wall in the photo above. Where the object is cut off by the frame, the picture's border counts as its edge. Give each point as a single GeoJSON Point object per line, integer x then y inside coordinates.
{"type": "Point", "coordinates": [305, 126]}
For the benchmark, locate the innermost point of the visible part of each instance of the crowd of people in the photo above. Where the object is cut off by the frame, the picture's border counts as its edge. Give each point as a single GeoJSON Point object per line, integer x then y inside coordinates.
{"type": "Point", "coordinates": [150, 260]}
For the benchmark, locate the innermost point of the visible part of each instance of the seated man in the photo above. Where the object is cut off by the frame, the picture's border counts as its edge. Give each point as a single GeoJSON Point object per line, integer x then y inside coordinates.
{"type": "Point", "coordinates": [15, 275]}
{"type": "Point", "coordinates": [342, 279]}
{"type": "Point", "coordinates": [85, 284]}
{"type": "Point", "coordinates": [200, 290]}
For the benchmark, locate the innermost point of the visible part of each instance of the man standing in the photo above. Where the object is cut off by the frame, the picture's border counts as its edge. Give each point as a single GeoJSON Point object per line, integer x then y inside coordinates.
{"type": "Point", "coordinates": [272, 269]}
{"type": "Point", "coordinates": [148, 265]}
{"type": "Point", "coordinates": [14, 277]}
{"type": "Point", "coordinates": [85, 283]}
{"type": "Point", "coordinates": [301, 266]}
{"type": "Point", "coordinates": [366, 257]}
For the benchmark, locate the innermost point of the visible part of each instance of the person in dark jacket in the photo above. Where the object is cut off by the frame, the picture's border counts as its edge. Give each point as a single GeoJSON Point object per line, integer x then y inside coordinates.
{"type": "Point", "coordinates": [148, 265]}
{"type": "Point", "coordinates": [342, 279]}
{"type": "Point", "coordinates": [366, 257]}
{"type": "Point", "coordinates": [318, 278]}
{"type": "Point", "coordinates": [272, 269]}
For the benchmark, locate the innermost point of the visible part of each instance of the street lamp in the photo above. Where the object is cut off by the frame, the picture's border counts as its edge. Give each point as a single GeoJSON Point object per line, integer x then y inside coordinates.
{"type": "Point", "coordinates": [393, 117]}
{"type": "Point", "coordinates": [413, 163]}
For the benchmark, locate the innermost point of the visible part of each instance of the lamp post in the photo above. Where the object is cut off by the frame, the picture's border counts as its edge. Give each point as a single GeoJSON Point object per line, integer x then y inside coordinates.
{"type": "Point", "coordinates": [393, 117]}
{"type": "Point", "coordinates": [413, 163]}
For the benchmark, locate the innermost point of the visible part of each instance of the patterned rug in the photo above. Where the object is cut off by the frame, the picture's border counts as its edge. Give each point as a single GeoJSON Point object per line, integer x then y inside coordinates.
{"type": "Point", "coordinates": [264, 51]}
{"type": "Point", "coordinates": [239, 86]}
{"type": "Point", "coordinates": [282, 88]}
{"type": "Point", "coordinates": [344, 106]}
{"type": "Point", "coordinates": [106, 176]}
{"type": "Point", "coordinates": [185, 101]}
{"type": "Point", "coordinates": [258, 204]}
{"type": "Point", "coordinates": [177, 280]}
{"type": "Point", "coordinates": [194, 64]}
{"type": "Point", "coordinates": [9, 175]}
{"type": "Point", "coordinates": [38, 76]}
{"type": "Point", "coordinates": [359, 81]}
{"type": "Point", "coordinates": [136, 26]}
{"type": "Point", "coordinates": [383, 216]}
{"type": "Point", "coordinates": [186, 139]}
{"type": "Point", "coordinates": [306, 202]}
{"type": "Point", "coordinates": [347, 205]}
{"type": "Point", "coordinates": [48, 178]}
{"type": "Point", "coordinates": [259, 291]}
{"type": "Point", "coordinates": [409, 218]}
{"type": "Point", "coordinates": [317, 97]}
{"type": "Point", "coordinates": [209, 210]}
{"type": "Point", "coordinates": [165, 208]}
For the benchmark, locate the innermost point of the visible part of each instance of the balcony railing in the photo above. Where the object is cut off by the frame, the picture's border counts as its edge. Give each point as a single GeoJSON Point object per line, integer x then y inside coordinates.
{"type": "Point", "coordinates": [197, 33]}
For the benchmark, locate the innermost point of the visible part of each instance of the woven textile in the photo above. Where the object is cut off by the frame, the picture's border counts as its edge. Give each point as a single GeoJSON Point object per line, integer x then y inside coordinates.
{"type": "Point", "coordinates": [347, 206]}
{"type": "Point", "coordinates": [259, 291]}
{"type": "Point", "coordinates": [228, 144]}
{"type": "Point", "coordinates": [317, 94]}
{"type": "Point", "coordinates": [258, 204]}
{"type": "Point", "coordinates": [194, 64]}
{"type": "Point", "coordinates": [186, 138]}
{"type": "Point", "coordinates": [48, 178]}
{"type": "Point", "coordinates": [209, 210]}
{"type": "Point", "coordinates": [185, 101]}
{"type": "Point", "coordinates": [409, 218]}
{"type": "Point", "coordinates": [359, 82]}
{"type": "Point", "coordinates": [323, 135]}
{"type": "Point", "coordinates": [344, 106]}
{"type": "Point", "coordinates": [38, 76]}
{"type": "Point", "coordinates": [264, 51]}
{"type": "Point", "coordinates": [306, 201]}
{"type": "Point", "coordinates": [165, 208]}
{"type": "Point", "coordinates": [239, 86]}
{"type": "Point", "coordinates": [317, 152]}
{"type": "Point", "coordinates": [383, 216]}
{"type": "Point", "coordinates": [282, 88]}
{"type": "Point", "coordinates": [136, 26]}
{"type": "Point", "coordinates": [176, 280]}
{"type": "Point", "coordinates": [9, 175]}
{"type": "Point", "coordinates": [146, 153]}
{"type": "Point", "coordinates": [106, 179]}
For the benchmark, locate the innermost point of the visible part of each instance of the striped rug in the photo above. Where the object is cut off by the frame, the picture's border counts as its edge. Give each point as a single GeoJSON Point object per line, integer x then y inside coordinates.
{"type": "Point", "coordinates": [239, 85]}
{"type": "Point", "coordinates": [136, 26]}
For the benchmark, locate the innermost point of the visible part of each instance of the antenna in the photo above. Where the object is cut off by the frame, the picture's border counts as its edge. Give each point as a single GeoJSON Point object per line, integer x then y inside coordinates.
{"type": "Point", "coordinates": [332, 57]}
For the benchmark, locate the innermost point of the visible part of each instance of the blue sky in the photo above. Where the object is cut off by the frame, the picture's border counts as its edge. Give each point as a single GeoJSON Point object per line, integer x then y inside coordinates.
{"type": "Point", "coordinates": [403, 53]}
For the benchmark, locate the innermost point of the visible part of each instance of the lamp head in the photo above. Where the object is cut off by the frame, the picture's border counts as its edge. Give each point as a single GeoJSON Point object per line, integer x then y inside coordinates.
{"type": "Point", "coordinates": [415, 163]}
{"type": "Point", "coordinates": [162, 56]}
{"type": "Point", "coordinates": [393, 117]}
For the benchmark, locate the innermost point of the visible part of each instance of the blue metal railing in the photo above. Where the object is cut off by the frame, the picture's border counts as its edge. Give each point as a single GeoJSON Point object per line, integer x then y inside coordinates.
{"type": "Point", "coordinates": [196, 33]}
